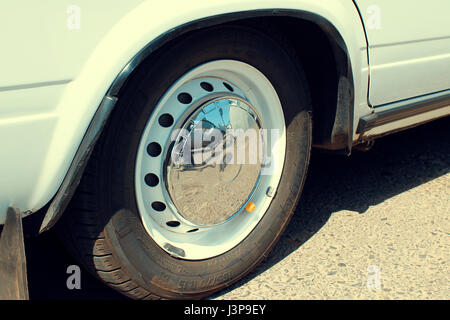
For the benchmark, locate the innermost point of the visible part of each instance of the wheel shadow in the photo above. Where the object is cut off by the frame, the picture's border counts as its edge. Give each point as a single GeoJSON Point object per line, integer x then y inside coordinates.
{"type": "Point", "coordinates": [47, 271]}
{"type": "Point", "coordinates": [395, 164]}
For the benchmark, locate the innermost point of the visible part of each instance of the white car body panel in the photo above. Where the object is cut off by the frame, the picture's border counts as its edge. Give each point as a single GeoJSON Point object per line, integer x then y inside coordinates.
{"type": "Point", "coordinates": [409, 48]}
{"type": "Point", "coordinates": [408, 122]}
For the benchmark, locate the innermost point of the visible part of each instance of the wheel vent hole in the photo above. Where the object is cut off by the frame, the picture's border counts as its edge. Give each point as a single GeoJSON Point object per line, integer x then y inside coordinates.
{"type": "Point", "coordinates": [173, 224]}
{"type": "Point", "coordinates": [185, 98]}
{"type": "Point", "coordinates": [154, 149]}
{"type": "Point", "coordinates": [151, 180]}
{"type": "Point", "coordinates": [158, 206]}
{"type": "Point", "coordinates": [230, 88]}
{"type": "Point", "coordinates": [192, 231]}
{"type": "Point", "coordinates": [166, 120]}
{"type": "Point", "coordinates": [207, 86]}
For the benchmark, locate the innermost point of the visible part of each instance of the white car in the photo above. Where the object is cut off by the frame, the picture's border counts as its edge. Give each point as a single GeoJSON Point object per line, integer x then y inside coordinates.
{"type": "Point", "coordinates": [101, 104]}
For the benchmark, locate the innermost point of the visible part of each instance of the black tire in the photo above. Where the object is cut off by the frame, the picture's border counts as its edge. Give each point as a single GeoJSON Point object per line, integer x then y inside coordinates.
{"type": "Point", "coordinates": [102, 224]}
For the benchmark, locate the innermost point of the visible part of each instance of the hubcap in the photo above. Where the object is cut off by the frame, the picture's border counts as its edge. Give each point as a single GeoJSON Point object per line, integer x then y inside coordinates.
{"type": "Point", "coordinates": [209, 187]}
{"type": "Point", "coordinates": [208, 154]}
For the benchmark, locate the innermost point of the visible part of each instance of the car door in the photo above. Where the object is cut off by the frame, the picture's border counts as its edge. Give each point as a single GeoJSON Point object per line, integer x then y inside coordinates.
{"type": "Point", "coordinates": [409, 48]}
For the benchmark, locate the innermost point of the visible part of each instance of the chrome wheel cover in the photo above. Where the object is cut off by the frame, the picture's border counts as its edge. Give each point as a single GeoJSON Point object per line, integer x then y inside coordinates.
{"type": "Point", "coordinates": [200, 200]}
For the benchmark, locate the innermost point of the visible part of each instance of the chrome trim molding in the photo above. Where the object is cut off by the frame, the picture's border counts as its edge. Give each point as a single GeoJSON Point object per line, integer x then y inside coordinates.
{"type": "Point", "coordinates": [403, 110]}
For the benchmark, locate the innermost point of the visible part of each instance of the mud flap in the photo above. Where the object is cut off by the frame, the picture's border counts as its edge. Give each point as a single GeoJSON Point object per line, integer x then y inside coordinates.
{"type": "Point", "coordinates": [13, 271]}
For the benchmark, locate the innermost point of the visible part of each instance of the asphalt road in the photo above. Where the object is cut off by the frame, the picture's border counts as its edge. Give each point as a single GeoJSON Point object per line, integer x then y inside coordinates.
{"type": "Point", "coordinates": [371, 226]}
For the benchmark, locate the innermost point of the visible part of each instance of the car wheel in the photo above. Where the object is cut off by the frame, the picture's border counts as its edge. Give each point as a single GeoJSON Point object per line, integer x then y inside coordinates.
{"type": "Point", "coordinates": [159, 214]}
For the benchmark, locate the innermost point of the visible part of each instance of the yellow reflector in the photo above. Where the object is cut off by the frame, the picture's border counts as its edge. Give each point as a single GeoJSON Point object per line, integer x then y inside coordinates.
{"type": "Point", "coordinates": [250, 207]}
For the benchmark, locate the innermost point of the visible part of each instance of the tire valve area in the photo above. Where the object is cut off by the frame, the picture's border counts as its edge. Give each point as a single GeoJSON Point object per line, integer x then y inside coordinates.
{"type": "Point", "coordinates": [270, 192]}
{"type": "Point", "coordinates": [176, 251]}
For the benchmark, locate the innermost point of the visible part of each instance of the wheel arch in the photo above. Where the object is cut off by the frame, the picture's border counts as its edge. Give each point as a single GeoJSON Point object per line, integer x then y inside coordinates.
{"type": "Point", "coordinates": [334, 124]}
